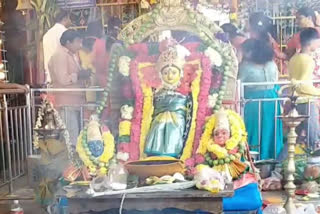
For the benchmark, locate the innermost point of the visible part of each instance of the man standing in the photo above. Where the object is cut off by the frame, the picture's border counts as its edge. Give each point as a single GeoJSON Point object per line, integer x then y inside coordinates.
{"type": "Point", "coordinates": [66, 73]}
{"type": "Point", "coordinates": [51, 40]}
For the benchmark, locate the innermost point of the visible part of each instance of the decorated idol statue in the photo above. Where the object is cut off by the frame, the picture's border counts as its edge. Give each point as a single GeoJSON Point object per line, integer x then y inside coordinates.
{"type": "Point", "coordinates": [96, 147]}
{"type": "Point", "coordinates": [165, 137]}
{"type": "Point", "coordinates": [223, 144]}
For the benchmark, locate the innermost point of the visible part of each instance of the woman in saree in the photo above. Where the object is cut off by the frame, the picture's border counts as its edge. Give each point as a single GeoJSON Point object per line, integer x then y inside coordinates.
{"type": "Point", "coordinates": [258, 66]}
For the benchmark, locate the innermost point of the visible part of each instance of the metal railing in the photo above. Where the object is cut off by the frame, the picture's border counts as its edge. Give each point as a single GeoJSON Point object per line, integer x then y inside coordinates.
{"type": "Point", "coordinates": [279, 101]}
{"type": "Point", "coordinates": [15, 135]}
{"type": "Point", "coordinates": [66, 111]}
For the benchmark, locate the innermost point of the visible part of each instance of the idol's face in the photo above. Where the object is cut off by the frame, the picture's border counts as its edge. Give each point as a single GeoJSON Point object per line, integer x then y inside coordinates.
{"type": "Point", "coordinates": [221, 136]}
{"type": "Point", "coordinates": [171, 75]}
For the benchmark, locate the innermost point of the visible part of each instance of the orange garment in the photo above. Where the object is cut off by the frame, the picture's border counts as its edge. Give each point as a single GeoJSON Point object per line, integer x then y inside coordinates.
{"type": "Point", "coordinates": [100, 58]}
{"type": "Point", "coordinates": [294, 42]}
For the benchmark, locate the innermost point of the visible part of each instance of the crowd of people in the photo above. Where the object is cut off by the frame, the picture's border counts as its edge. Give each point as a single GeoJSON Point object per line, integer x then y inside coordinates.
{"type": "Point", "coordinates": [76, 60]}
{"type": "Point", "coordinates": [261, 59]}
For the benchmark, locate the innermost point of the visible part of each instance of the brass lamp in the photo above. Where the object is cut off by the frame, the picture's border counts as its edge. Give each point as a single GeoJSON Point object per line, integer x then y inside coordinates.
{"type": "Point", "coordinates": [24, 5]}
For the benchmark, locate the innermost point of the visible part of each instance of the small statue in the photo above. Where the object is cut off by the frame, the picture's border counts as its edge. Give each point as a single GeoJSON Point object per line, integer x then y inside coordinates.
{"type": "Point", "coordinates": [94, 139]}
{"type": "Point", "coordinates": [223, 143]}
{"type": "Point", "coordinates": [96, 147]}
{"type": "Point", "coordinates": [165, 137]}
{"type": "Point", "coordinates": [48, 120]}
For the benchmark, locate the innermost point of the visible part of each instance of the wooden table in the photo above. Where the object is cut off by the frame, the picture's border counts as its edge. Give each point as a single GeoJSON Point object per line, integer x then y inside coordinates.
{"type": "Point", "coordinates": [189, 199]}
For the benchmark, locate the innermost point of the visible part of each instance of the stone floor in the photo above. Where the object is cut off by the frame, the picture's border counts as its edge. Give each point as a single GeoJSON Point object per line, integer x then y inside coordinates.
{"type": "Point", "coordinates": [25, 196]}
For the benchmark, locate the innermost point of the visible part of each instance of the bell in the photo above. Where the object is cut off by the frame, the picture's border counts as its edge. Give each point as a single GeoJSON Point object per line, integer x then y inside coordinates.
{"type": "Point", "coordinates": [24, 5]}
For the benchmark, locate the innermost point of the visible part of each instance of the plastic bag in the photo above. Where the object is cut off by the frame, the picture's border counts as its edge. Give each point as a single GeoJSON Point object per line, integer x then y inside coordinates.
{"type": "Point", "coordinates": [307, 209]}
{"type": "Point", "coordinates": [274, 209]}
{"type": "Point", "coordinates": [209, 179]}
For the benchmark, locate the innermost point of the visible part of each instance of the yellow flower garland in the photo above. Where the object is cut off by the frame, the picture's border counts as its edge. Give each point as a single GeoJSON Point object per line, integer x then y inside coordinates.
{"type": "Point", "coordinates": [109, 148]}
{"type": "Point", "coordinates": [147, 110]}
{"type": "Point", "coordinates": [146, 116]}
{"type": "Point", "coordinates": [125, 128]}
{"type": "Point", "coordinates": [238, 133]}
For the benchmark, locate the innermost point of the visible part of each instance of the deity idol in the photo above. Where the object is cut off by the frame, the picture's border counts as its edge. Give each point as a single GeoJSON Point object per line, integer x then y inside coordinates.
{"type": "Point", "coordinates": [166, 134]}
{"type": "Point", "coordinates": [223, 143]}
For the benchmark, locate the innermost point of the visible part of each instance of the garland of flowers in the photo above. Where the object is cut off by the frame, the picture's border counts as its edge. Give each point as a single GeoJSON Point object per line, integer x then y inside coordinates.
{"type": "Point", "coordinates": [124, 128]}
{"type": "Point", "coordinates": [82, 146]}
{"type": "Point", "coordinates": [147, 113]}
{"type": "Point", "coordinates": [238, 133]}
{"type": "Point", "coordinates": [60, 125]}
{"type": "Point", "coordinates": [202, 100]}
{"type": "Point", "coordinates": [228, 157]}
{"type": "Point", "coordinates": [88, 159]}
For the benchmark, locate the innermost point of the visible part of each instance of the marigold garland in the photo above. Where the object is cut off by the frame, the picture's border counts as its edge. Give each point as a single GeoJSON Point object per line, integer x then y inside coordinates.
{"type": "Point", "coordinates": [124, 128]}
{"type": "Point", "coordinates": [146, 116]}
{"type": "Point", "coordinates": [109, 149]}
{"type": "Point", "coordinates": [237, 128]}
{"type": "Point", "coordinates": [147, 110]}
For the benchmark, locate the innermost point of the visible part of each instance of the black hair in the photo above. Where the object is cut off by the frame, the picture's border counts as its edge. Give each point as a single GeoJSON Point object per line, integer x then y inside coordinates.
{"type": "Point", "coordinates": [307, 35]}
{"type": "Point", "coordinates": [231, 30]}
{"type": "Point", "coordinates": [112, 33]}
{"type": "Point", "coordinates": [88, 43]}
{"type": "Point", "coordinates": [259, 51]}
{"type": "Point", "coordinates": [261, 25]}
{"type": "Point", "coordinates": [61, 15]}
{"type": "Point", "coordinates": [69, 36]}
{"type": "Point", "coordinates": [307, 12]}
{"type": "Point", "coordinates": [95, 29]}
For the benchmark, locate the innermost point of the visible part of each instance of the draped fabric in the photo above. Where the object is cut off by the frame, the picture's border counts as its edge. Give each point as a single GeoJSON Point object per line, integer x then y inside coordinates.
{"type": "Point", "coordinates": [165, 137]}
{"type": "Point", "coordinates": [270, 128]}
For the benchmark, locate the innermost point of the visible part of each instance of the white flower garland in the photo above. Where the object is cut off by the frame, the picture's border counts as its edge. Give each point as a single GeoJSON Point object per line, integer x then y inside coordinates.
{"type": "Point", "coordinates": [60, 125]}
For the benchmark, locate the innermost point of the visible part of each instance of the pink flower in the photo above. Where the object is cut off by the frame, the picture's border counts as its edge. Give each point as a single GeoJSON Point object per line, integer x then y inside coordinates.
{"type": "Point", "coordinates": [190, 162]}
{"type": "Point", "coordinates": [124, 147]}
{"type": "Point", "coordinates": [193, 171]}
{"type": "Point", "coordinates": [199, 159]}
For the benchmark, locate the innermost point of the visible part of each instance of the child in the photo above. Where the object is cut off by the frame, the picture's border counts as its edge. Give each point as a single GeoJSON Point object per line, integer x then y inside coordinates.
{"type": "Point", "coordinates": [301, 68]}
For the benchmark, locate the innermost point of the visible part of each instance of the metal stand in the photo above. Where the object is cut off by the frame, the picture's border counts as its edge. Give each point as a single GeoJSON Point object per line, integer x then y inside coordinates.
{"type": "Point", "coordinates": [292, 120]}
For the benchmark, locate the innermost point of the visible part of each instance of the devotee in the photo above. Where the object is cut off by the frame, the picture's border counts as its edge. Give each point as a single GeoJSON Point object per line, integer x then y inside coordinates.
{"type": "Point", "coordinates": [51, 39]}
{"type": "Point", "coordinates": [258, 66]}
{"type": "Point", "coordinates": [261, 27]}
{"type": "Point", "coordinates": [235, 37]}
{"type": "Point", "coordinates": [306, 18]}
{"type": "Point", "coordinates": [301, 68]}
{"type": "Point", "coordinates": [114, 26]}
{"type": "Point", "coordinates": [99, 53]}
{"type": "Point", "coordinates": [66, 72]}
